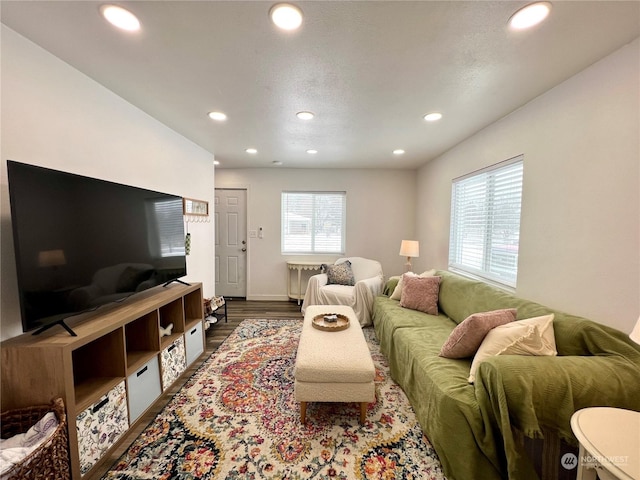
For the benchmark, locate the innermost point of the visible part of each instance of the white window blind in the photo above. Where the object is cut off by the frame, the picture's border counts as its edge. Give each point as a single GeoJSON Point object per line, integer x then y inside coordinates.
{"type": "Point", "coordinates": [164, 219]}
{"type": "Point", "coordinates": [313, 222]}
{"type": "Point", "coordinates": [485, 222]}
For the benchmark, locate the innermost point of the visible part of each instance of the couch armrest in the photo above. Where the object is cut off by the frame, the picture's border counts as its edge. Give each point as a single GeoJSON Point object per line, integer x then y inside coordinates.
{"type": "Point", "coordinates": [318, 280]}
{"type": "Point", "coordinates": [364, 292]}
{"type": "Point", "coordinates": [312, 295]}
{"type": "Point", "coordinates": [391, 285]}
{"type": "Point", "coordinates": [528, 393]}
{"type": "Point", "coordinates": [373, 284]}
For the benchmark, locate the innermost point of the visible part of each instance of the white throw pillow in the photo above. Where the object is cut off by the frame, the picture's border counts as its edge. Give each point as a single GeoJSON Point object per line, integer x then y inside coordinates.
{"type": "Point", "coordinates": [397, 292]}
{"type": "Point", "coordinates": [533, 336]}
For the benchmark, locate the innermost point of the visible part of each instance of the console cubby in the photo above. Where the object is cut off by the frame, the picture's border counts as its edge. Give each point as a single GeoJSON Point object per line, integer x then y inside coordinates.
{"type": "Point", "coordinates": [193, 342]}
{"type": "Point", "coordinates": [98, 366]}
{"type": "Point", "coordinates": [100, 425]}
{"type": "Point", "coordinates": [172, 314]}
{"type": "Point", "coordinates": [115, 368]}
{"type": "Point", "coordinates": [143, 387]}
{"type": "Point", "coordinates": [192, 309]}
{"type": "Point", "coordinates": [142, 340]}
{"type": "Point", "coordinates": [173, 362]}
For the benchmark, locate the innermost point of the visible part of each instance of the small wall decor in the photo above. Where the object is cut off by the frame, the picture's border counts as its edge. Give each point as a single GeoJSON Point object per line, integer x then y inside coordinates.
{"type": "Point", "coordinates": [187, 244]}
{"type": "Point", "coordinates": [195, 207]}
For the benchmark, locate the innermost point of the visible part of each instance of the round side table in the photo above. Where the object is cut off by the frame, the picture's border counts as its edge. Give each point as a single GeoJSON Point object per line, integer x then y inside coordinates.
{"type": "Point", "coordinates": [609, 443]}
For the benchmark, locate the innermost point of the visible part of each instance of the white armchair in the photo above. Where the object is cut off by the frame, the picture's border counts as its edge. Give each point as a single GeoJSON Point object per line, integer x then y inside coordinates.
{"type": "Point", "coordinates": [369, 281]}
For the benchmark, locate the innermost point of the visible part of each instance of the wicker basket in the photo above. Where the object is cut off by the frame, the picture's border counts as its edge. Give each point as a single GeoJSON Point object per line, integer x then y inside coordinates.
{"type": "Point", "coordinates": [50, 460]}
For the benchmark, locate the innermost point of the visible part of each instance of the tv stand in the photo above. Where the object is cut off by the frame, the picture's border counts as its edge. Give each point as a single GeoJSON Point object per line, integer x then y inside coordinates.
{"type": "Point", "coordinates": [53, 324]}
{"type": "Point", "coordinates": [110, 373]}
{"type": "Point", "coordinates": [177, 280]}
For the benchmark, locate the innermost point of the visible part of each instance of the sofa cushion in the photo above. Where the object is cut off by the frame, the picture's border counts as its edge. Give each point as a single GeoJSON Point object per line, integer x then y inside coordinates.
{"type": "Point", "coordinates": [420, 293]}
{"type": "Point", "coordinates": [533, 336]}
{"type": "Point", "coordinates": [445, 403]}
{"type": "Point", "coordinates": [466, 338]}
{"type": "Point", "coordinates": [397, 291]}
{"type": "Point", "coordinates": [390, 316]}
{"type": "Point", "coordinates": [340, 274]}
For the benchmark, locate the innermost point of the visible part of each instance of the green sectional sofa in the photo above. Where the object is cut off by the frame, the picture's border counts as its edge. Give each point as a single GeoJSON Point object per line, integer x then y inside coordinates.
{"type": "Point", "coordinates": [476, 428]}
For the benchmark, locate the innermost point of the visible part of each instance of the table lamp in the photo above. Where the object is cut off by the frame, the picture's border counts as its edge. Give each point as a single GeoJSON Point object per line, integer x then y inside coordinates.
{"type": "Point", "coordinates": [409, 248]}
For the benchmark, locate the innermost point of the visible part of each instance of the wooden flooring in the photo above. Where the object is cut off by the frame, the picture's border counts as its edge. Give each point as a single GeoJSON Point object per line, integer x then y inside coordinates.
{"type": "Point", "coordinates": [237, 310]}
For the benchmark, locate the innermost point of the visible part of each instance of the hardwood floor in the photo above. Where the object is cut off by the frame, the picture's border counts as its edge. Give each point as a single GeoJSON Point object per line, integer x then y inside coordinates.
{"type": "Point", "coordinates": [237, 310]}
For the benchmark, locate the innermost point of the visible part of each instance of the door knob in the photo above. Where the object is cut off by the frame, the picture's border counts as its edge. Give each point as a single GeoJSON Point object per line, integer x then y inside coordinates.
{"type": "Point", "coordinates": [244, 249]}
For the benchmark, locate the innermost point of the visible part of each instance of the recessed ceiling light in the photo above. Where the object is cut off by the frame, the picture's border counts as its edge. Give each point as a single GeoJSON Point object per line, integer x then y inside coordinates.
{"type": "Point", "coordinates": [119, 17]}
{"type": "Point", "coordinates": [286, 16]}
{"type": "Point", "coordinates": [433, 117]}
{"type": "Point", "coordinates": [276, 162]}
{"type": "Point", "coordinates": [216, 162]}
{"type": "Point", "coordinates": [312, 151]}
{"type": "Point", "coordinates": [252, 151]}
{"type": "Point", "coordinates": [530, 15]}
{"type": "Point", "coordinates": [218, 116]}
{"type": "Point", "coordinates": [398, 151]}
{"type": "Point", "coordinates": [305, 115]}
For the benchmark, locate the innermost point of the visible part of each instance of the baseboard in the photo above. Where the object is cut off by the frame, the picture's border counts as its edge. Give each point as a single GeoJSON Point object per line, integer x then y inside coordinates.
{"type": "Point", "coordinates": [269, 298]}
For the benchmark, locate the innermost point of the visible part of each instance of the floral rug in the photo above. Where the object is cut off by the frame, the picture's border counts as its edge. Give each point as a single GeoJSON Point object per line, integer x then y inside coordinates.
{"type": "Point", "coordinates": [237, 418]}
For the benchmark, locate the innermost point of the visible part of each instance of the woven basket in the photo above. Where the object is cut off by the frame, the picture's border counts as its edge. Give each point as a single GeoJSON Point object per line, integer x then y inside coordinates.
{"type": "Point", "coordinates": [50, 460]}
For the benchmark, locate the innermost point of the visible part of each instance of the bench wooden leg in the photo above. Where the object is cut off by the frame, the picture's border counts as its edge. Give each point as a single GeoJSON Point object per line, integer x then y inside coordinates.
{"type": "Point", "coordinates": [363, 412]}
{"type": "Point", "coordinates": [303, 411]}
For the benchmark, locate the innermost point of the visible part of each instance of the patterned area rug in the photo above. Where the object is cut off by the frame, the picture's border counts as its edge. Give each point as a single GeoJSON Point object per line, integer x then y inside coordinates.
{"type": "Point", "coordinates": [237, 418]}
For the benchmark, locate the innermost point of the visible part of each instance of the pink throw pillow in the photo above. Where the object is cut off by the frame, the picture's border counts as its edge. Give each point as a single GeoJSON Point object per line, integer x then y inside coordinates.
{"type": "Point", "coordinates": [420, 293]}
{"type": "Point", "coordinates": [466, 338]}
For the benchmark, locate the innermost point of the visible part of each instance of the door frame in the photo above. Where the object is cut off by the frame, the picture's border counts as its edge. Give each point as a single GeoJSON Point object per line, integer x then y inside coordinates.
{"type": "Point", "coordinates": [248, 253]}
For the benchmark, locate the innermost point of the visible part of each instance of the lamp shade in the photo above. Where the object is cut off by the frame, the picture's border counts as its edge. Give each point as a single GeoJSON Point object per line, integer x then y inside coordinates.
{"type": "Point", "coordinates": [410, 248]}
{"type": "Point", "coordinates": [635, 333]}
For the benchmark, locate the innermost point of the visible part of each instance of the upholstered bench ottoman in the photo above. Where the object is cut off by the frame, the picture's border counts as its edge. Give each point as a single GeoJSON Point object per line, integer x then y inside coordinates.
{"type": "Point", "coordinates": [333, 366]}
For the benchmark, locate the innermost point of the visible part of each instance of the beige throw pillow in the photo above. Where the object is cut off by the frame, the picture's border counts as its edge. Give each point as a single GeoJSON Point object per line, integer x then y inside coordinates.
{"type": "Point", "coordinates": [397, 292]}
{"type": "Point", "coordinates": [421, 293]}
{"type": "Point", "coordinates": [533, 336]}
{"type": "Point", "coordinates": [466, 338]}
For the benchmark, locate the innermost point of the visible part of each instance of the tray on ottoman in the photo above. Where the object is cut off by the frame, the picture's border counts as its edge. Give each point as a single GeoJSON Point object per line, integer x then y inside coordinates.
{"type": "Point", "coordinates": [321, 322]}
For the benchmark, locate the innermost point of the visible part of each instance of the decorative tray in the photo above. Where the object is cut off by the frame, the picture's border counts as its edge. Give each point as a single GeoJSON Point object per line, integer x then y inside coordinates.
{"type": "Point", "coordinates": [331, 322]}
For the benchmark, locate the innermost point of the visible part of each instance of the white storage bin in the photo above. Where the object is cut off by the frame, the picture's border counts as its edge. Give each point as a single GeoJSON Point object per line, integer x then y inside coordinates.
{"type": "Point", "coordinates": [143, 388]}
{"type": "Point", "coordinates": [173, 362]}
{"type": "Point", "coordinates": [194, 343]}
{"type": "Point", "coordinates": [101, 425]}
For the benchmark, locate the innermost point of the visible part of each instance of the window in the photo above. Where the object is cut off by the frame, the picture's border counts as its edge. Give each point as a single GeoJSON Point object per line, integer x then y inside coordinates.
{"type": "Point", "coordinates": [485, 222]}
{"type": "Point", "coordinates": [313, 222]}
{"type": "Point", "coordinates": [164, 219]}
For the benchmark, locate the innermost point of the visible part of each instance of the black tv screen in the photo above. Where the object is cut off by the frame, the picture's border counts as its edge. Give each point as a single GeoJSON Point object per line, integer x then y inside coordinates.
{"type": "Point", "coordinates": [81, 242]}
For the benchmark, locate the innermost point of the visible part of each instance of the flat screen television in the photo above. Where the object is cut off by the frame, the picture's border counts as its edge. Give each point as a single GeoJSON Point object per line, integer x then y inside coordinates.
{"type": "Point", "coordinates": [81, 242]}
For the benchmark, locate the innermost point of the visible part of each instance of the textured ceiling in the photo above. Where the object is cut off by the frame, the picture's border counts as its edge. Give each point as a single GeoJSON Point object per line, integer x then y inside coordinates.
{"type": "Point", "coordinates": [369, 70]}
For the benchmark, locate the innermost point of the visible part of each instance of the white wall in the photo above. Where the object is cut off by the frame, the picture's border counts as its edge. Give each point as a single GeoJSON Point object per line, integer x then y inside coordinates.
{"type": "Point", "coordinates": [380, 213]}
{"type": "Point", "coordinates": [54, 116]}
{"type": "Point", "coordinates": [580, 225]}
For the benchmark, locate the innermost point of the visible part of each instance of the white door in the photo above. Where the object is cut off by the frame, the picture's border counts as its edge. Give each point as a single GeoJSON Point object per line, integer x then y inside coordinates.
{"type": "Point", "coordinates": [231, 242]}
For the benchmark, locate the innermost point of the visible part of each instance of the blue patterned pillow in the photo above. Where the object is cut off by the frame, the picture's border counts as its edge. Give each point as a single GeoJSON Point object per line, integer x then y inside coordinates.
{"type": "Point", "coordinates": [340, 274]}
